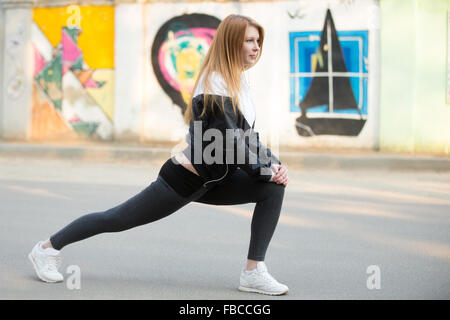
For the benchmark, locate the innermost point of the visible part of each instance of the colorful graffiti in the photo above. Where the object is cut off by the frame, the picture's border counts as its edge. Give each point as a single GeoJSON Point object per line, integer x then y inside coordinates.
{"type": "Point", "coordinates": [329, 80]}
{"type": "Point", "coordinates": [73, 72]}
{"type": "Point", "coordinates": [178, 51]}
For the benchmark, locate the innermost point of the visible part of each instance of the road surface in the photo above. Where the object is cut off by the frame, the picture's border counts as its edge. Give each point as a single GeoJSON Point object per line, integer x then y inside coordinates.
{"type": "Point", "coordinates": [352, 234]}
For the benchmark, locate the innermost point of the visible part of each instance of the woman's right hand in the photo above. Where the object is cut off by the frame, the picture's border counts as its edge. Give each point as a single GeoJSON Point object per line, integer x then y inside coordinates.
{"type": "Point", "coordinates": [279, 174]}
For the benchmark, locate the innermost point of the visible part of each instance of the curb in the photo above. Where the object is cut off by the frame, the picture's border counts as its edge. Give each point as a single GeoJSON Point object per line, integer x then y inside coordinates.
{"type": "Point", "coordinates": [84, 153]}
{"type": "Point", "coordinates": [297, 160]}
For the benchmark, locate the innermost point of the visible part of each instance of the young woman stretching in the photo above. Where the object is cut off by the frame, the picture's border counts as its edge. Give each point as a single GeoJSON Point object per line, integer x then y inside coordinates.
{"type": "Point", "coordinates": [236, 171]}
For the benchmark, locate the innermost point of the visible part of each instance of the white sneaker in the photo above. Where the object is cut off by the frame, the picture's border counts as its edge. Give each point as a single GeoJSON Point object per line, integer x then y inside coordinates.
{"type": "Point", "coordinates": [260, 281]}
{"type": "Point", "coordinates": [46, 263]}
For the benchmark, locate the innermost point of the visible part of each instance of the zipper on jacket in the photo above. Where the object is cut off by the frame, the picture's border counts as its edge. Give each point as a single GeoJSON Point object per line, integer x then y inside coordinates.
{"type": "Point", "coordinates": [204, 185]}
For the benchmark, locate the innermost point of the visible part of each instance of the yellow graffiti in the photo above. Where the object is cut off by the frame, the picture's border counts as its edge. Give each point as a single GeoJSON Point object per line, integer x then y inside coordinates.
{"type": "Point", "coordinates": [188, 66]}
{"type": "Point", "coordinates": [104, 97]}
{"type": "Point", "coordinates": [97, 25]}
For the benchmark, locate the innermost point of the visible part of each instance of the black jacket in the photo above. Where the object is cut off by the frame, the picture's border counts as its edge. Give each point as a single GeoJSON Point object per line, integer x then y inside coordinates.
{"type": "Point", "coordinates": [239, 148]}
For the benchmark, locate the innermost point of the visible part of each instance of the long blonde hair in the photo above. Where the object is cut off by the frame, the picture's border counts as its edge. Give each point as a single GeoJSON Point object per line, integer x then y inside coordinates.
{"type": "Point", "coordinates": [225, 58]}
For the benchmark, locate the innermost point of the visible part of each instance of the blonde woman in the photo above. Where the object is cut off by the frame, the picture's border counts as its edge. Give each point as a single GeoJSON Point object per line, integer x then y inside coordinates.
{"type": "Point", "coordinates": [236, 171]}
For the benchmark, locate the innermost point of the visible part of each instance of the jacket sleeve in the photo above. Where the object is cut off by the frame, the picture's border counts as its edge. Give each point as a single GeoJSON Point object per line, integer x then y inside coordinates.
{"type": "Point", "coordinates": [264, 151]}
{"type": "Point", "coordinates": [248, 152]}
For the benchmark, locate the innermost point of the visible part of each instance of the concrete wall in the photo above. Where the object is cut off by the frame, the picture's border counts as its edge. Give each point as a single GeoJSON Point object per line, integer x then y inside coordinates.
{"type": "Point", "coordinates": [414, 114]}
{"type": "Point", "coordinates": [2, 29]}
{"type": "Point", "coordinates": [139, 97]}
{"type": "Point", "coordinates": [16, 74]}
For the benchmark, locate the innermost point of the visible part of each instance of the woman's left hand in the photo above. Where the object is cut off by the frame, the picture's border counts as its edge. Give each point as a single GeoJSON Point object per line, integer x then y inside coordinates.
{"type": "Point", "coordinates": [281, 174]}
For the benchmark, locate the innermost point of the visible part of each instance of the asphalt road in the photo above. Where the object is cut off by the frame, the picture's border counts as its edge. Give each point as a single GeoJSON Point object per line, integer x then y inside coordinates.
{"type": "Point", "coordinates": [353, 234]}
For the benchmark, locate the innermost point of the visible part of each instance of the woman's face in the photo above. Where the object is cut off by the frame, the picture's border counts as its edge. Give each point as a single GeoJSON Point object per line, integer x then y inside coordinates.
{"type": "Point", "coordinates": [250, 49]}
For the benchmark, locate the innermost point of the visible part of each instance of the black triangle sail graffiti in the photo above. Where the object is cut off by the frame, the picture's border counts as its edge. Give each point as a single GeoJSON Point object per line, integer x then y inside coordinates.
{"type": "Point", "coordinates": [330, 86]}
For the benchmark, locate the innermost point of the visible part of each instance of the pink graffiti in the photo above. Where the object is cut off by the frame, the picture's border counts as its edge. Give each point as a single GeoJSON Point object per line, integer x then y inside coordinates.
{"type": "Point", "coordinates": [39, 61]}
{"type": "Point", "coordinates": [164, 51]}
{"type": "Point", "coordinates": [90, 83]}
{"type": "Point", "coordinates": [70, 52]}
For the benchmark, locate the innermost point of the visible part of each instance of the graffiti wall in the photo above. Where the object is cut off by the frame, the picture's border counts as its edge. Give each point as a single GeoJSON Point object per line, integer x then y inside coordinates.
{"type": "Point", "coordinates": [177, 53]}
{"type": "Point", "coordinates": [333, 80]}
{"type": "Point", "coordinates": [312, 86]}
{"type": "Point", "coordinates": [73, 76]}
{"type": "Point", "coordinates": [178, 38]}
{"type": "Point", "coordinates": [126, 72]}
{"type": "Point", "coordinates": [329, 73]}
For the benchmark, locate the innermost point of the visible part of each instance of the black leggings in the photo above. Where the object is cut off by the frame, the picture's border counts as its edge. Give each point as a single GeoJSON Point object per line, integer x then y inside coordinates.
{"type": "Point", "coordinates": [159, 200]}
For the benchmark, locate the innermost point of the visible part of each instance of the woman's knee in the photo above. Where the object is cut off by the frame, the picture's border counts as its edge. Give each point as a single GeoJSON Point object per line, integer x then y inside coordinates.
{"type": "Point", "coordinates": [271, 189]}
{"type": "Point", "coordinates": [278, 189]}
